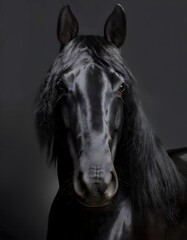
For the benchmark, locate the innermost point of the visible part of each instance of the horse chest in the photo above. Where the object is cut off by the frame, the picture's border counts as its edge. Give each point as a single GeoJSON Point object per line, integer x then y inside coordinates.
{"type": "Point", "coordinates": [71, 221]}
{"type": "Point", "coordinates": [121, 225]}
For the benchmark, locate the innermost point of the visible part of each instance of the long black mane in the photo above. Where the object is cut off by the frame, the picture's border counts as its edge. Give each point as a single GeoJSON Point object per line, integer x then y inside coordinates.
{"type": "Point", "coordinates": [155, 183]}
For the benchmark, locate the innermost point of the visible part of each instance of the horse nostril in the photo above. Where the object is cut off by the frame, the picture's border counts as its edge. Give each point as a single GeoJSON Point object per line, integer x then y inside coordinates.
{"type": "Point", "coordinates": [112, 186]}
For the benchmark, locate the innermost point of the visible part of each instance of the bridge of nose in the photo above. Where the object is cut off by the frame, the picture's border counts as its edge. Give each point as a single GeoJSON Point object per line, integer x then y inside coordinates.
{"type": "Point", "coordinates": [96, 83]}
{"type": "Point", "coordinates": [93, 116]}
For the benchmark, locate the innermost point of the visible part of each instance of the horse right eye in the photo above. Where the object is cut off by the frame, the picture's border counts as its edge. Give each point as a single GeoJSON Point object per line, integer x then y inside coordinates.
{"type": "Point", "coordinates": [61, 87]}
{"type": "Point", "coordinates": [122, 88]}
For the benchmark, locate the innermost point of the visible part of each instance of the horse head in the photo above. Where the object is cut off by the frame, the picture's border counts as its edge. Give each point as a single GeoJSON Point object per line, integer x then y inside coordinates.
{"type": "Point", "coordinates": [92, 109]}
{"type": "Point", "coordinates": [87, 82]}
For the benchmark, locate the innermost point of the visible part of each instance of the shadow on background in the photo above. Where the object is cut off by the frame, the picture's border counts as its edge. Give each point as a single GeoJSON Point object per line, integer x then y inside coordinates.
{"type": "Point", "coordinates": [155, 50]}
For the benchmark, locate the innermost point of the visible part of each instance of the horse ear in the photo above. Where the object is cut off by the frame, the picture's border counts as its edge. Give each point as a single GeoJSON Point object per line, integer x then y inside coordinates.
{"type": "Point", "coordinates": [115, 26]}
{"type": "Point", "coordinates": [67, 27]}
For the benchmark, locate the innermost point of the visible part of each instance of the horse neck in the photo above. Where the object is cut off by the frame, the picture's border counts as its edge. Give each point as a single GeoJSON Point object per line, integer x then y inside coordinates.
{"type": "Point", "coordinates": [154, 179]}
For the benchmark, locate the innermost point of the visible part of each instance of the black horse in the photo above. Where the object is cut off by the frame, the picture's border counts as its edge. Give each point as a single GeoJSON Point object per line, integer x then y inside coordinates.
{"type": "Point", "coordinates": [116, 180]}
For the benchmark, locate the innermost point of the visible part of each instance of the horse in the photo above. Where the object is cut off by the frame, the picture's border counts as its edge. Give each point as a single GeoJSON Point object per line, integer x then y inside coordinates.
{"type": "Point", "coordinates": [116, 180]}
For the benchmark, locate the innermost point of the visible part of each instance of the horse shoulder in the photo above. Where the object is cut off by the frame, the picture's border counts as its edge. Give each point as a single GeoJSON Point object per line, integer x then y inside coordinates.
{"type": "Point", "coordinates": [180, 161]}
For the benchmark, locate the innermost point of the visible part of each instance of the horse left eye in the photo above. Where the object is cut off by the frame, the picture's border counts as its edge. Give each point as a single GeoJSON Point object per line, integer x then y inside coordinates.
{"type": "Point", "coordinates": [122, 88]}
{"type": "Point", "coordinates": [61, 87]}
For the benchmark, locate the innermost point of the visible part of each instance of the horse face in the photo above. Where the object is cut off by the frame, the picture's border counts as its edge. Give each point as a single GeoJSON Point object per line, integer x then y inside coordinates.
{"type": "Point", "coordinates": [92, 112]}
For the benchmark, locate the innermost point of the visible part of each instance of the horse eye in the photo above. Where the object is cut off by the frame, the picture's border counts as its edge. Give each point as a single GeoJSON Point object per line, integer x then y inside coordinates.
{"type": "Point", "coordinates": [122, 88]}
{"type": "Point", "coordinates": [61, 87]}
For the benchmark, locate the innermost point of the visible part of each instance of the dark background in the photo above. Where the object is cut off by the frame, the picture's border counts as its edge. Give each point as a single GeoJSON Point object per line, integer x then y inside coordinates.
{"type": "Point", "coordinates": [155, 50]}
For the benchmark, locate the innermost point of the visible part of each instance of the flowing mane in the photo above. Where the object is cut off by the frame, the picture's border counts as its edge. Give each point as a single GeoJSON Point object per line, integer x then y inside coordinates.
{"type": "Point", "coordinates": [153, 178]}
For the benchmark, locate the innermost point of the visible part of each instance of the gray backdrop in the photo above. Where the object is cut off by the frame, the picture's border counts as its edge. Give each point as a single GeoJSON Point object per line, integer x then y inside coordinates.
{"type": "Point", "coordinates": [156, 52]}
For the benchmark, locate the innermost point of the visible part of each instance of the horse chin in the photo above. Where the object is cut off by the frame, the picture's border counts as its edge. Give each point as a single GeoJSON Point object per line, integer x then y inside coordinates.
{"type": "Point", "coordinates": [93, 204]}
{"type": "Point", "coordinates": [94, 201]}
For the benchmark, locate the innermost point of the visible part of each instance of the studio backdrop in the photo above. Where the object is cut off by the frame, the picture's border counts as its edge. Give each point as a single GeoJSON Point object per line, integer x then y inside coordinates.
{"type": "Point", "coordinates": [156, 52]}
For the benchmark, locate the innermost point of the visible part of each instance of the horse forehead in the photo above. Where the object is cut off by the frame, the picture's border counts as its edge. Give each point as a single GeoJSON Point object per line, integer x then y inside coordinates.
{"type": "Point", "coordinates": [92, 75]}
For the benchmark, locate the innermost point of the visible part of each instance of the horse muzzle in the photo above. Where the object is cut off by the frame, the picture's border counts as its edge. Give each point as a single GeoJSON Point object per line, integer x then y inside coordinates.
{"type": "Point", "coordinates": [95, 184]}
